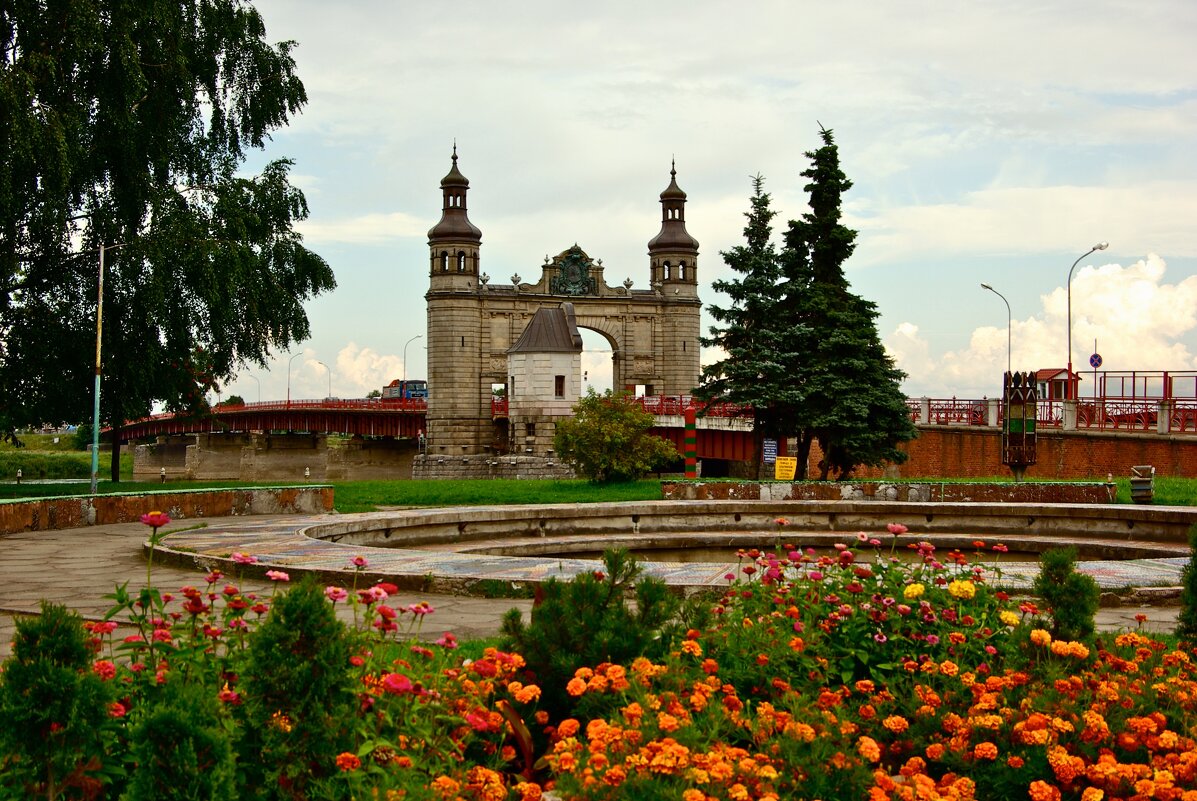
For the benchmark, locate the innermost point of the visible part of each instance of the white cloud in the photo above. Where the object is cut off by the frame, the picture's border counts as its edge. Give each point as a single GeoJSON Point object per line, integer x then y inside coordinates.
{"type": "Point", "coordinates": [366, 229]}
{"type": "Point", "coordinates": [1136, 317]}
{"type": "Point", "coordinates": [360, 370]}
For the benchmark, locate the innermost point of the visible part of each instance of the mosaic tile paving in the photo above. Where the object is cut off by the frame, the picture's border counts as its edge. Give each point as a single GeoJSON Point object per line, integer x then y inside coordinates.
{"type": "Point", "coordinates": [280, 543]}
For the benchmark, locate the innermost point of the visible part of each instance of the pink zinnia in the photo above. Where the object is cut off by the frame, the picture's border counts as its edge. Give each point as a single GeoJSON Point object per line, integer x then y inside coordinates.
{"type": "Point", "coordinates": [359, 562]}
{"type": "Point", "coordinates": [397, 684]}
{"type": "Point", "coordinates": [896, 528]}
{"type": "Point", "coordinates": [244, 558]}
{"type": "Point", "coordinates": [155, 519]}
{"type": "Point", "coordinates": [277, 575]}
{"type": "Point", "coordinates": [335, 594]}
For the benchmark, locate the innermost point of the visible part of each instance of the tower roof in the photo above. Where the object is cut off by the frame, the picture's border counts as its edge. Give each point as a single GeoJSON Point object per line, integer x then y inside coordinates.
{"type": "Point", "coordinates": [673, 236]}
{"type": "Point", "coordinates": [550, 331]}
{"type": "Point", "coordinates": [454, 225]}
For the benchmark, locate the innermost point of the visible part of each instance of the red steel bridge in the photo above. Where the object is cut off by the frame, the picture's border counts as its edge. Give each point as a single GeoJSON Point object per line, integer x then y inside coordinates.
{"type": "Point", "coordinates": [1144, 401]}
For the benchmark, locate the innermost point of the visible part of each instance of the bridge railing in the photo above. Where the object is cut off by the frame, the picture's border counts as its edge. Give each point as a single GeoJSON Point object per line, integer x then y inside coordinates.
{"type": "Point", "coordinates": [678, 404]}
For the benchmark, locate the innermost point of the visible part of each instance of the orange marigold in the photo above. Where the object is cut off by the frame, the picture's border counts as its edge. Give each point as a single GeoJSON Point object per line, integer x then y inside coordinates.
{"type": "Point", "coordinates": [985, 750]}
{"type": "Point", "coordinates": [1042, 791]}
{"type": "Point", "coordinates": [1040, 637]}
{"type": "Point", "coordinates": [347, 761]}
{"type": "Point", "coordinates": [691, 647]}
{"type": "Point", "coordinates": [575, 687]}
{"type": "Point", "coordinates": [896, 723]}
{"type": "Point", "coordinates": [869, 749]}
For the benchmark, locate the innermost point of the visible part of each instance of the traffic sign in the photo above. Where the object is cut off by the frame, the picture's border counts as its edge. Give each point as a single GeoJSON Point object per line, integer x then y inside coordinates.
{"type": "Point", "coordinates": [1095, 361]}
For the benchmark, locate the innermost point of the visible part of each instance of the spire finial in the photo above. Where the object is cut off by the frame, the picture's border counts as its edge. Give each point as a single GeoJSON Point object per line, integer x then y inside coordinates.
{"type": "Point", "coordinates": [673, 167]}
{"type": "Point", "coordinates": [455, 150]}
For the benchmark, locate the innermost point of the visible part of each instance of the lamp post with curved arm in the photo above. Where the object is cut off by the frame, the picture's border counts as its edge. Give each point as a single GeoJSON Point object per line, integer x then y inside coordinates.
{"type": "Point", "coordinates": [1008, 318]}
{"type": "Point", "coordinates": [405, 344]}
{"type": "Point", "coordinates": [95, 420]}
{"type": "Point", "coordinates": [325, 366]}
{"type": "Point", "coordinates": [293, 358]}
{"type": "Point", "coordinates": [1071, 385]}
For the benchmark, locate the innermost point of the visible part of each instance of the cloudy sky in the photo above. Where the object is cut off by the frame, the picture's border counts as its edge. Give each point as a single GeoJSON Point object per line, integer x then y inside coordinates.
{"type": "Point", "coordinates": [988, 143]}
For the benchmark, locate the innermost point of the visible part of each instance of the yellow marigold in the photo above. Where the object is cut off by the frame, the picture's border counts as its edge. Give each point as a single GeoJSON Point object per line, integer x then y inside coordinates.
{"type": "Point", "coordinates": [281, 722]}
{"type": "Point", "coordinates": [1093, 794]}
{"type": "Point", "coordinates": [985, 750]}
{"type": "Point", "coordinates": [913, 591]}
{"type": "Point", "coordinates": [869, 749]}
{"type": "Point", "coordinates": [1078, 650]}
{"type": "Point", "coordinates": [1008, 618]}
{"type": "Point", "coordinates": [692, 648]}
{"type": "Point", "coordinates": [961, 588]}
{"type": "Point", "coordinates": [896, 723]}
{"type": "Point", "coordinates": [1040, 637]}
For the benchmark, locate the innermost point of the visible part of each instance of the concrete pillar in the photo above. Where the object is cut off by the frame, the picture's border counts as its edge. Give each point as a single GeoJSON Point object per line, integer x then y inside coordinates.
{"type": "Point", "coordinates": [925, 411]}
{"type": "Point", "coordinates": [1163, 417]}
{"type": "Point", "coordinates": [993, 412]}
{"type": "Point", "coordinates": [1069, 421]}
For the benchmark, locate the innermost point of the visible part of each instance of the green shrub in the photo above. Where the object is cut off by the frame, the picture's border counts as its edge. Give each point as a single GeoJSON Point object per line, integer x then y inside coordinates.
{"type": "Point", "coordinates": [181, 748]}
{"type": "Point", "coordinates": [608, 439]}
{"type": "Point", "coordinates": [588, 620]}
{"type": "Point", "coordinates": [298, 707]}
{"type": "Point", "coordinates": [54, 711]}
{"type": "Point", "coordinates": [1072, 598]}
{"type": "Point", "coordinates": [1186, 623]}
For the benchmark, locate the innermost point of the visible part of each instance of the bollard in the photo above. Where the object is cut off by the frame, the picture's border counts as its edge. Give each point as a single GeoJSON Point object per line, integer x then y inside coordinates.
{"type": "Point", "coordinates": [307, 474]}
{"type": "Point", "coordinates": [162, 474]}
{"type": "Point", "coordinates": [19, 475]}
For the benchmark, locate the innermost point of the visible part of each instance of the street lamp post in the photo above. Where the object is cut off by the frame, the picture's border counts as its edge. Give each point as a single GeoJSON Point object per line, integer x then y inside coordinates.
{"type": "Point", "coordinates": [325, 366]}
{"type": "Point", "coordinates": [259, 383]}
{"type": "Point", "coordinates": [405, 344]}
{"type": "Point", "coordinates": [1008, 318]}
{"type": "Point", "coordinates": [1099, 246]}
{"type": "Point", "coordinates": [293, 358]}
{"type": "Point", "coordinates": [95, 419]}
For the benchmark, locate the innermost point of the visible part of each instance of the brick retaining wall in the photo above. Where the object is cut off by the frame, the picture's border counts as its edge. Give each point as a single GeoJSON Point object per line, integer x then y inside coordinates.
{"type": "Point", "coordinates": [976, 452]}
{"type": "Point", "coordinates": [43, 514]}
{"type": "Point", "coordinates": [938, 492]}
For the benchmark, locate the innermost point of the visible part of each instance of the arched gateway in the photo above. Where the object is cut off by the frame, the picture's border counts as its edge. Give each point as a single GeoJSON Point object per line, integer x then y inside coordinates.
{"type": "Point", "coordinates": [472, 324]}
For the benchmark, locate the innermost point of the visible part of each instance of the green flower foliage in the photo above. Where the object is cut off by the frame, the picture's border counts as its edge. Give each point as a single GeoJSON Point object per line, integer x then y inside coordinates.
{"type": "Point", "coordinates": [53, 711]}
{"type": "Point", "coordinates": [608, 439]}
{"type": "Point", "coordinates": [181, 748]}
{"type": "Point", "coordinates": [1186, 625]}
{"type": "Point", "coordinates": [298, 708]}
{"type": "Point", "coordinates": [1072, 598]}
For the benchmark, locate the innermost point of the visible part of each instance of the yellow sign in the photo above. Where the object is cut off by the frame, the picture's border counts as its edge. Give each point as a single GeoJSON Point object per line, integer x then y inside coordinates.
{"type": "Point", "coordinates": [785, 468]}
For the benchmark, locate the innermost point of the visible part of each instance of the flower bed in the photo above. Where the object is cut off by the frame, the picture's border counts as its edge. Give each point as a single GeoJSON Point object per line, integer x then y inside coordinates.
{"type": "Point", "coordinates": [843, 674]}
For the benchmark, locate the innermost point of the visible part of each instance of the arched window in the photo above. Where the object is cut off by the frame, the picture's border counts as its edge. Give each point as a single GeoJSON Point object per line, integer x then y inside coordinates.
{"type": "Point", "coordinates": [681, 271]}
{"type": "Point", "coordinates": [461, 261]}
{"type": "Point", "coordinates": [444, 261]}
{"type": "Point", "coordinates": [666, 267]}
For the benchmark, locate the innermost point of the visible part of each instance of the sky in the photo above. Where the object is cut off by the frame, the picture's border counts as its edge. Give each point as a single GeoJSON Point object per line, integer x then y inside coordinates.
{"type": "Point", "coordinates": [987, 143]}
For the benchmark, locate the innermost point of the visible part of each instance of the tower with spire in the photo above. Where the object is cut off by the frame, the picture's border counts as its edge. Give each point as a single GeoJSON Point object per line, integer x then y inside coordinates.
{"type": "Point", "coordinates": [491, 394]}
{"type": "Point", "coordinates": [673, 253]}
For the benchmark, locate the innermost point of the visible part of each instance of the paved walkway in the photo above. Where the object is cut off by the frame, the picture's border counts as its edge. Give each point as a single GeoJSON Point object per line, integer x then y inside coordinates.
{"type": "Point", "coordinates": [79, 567]}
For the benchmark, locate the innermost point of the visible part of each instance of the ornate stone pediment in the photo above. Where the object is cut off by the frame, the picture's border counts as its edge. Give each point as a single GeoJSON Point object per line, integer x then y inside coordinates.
{"type": "Point", "coordinates": [573, 274]}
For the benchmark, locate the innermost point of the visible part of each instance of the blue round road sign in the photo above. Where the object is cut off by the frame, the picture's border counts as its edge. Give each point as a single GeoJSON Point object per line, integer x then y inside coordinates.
{"type": "Point", "coordinates": [1095, 361]}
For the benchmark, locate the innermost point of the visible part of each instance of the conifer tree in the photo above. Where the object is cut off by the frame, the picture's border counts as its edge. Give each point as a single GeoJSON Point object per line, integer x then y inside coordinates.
{"type": "Point", "coordinates": [852, 403]}
{"type": "Point", "coordinates": [760, 345]}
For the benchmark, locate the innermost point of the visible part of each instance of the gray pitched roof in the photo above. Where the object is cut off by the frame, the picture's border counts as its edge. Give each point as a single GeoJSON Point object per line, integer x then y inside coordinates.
{"type": "Point", "coordinates": [550, 331]}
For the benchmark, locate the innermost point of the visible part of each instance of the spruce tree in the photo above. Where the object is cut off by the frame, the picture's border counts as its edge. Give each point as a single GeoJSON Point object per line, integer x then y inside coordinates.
{"type": "Point", "coordinates": [851, 398]}
{"type": "Point", "coordinates": [760, 345]}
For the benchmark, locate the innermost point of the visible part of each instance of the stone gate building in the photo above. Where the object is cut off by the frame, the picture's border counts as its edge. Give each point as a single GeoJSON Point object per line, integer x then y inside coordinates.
{"type": "Point", "coordinates": [473, 323]}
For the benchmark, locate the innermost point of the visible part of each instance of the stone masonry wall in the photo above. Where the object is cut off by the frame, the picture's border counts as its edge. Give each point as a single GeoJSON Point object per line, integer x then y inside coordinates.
{"type": "Point", "coordinates": [432, 466]}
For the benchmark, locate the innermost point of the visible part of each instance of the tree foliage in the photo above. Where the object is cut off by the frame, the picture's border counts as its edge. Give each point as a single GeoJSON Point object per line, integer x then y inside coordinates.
{"type": "Point", "coordinates": [801, 347]}
{"type": "Point", "coordinates": [608, 439]}
{"type": "Point", "coordinates": [127, 125]}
